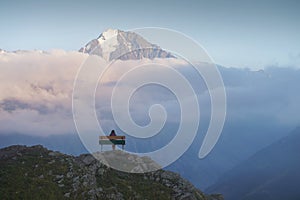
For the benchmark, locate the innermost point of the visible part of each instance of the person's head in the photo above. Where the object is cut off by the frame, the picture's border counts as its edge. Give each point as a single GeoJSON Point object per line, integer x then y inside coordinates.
{"type": "Point", "coordinates": [112, 133]}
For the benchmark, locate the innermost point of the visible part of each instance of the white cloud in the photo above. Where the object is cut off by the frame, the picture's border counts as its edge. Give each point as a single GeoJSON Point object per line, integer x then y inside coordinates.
{"type": "Point", "coordinates": [36, 90]}
{"type": "Point", "coordinates": [36, 93]}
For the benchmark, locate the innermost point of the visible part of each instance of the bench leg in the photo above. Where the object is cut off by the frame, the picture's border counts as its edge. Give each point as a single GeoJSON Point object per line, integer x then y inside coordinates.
{"type": "Point", "coordinates": [113, 147]}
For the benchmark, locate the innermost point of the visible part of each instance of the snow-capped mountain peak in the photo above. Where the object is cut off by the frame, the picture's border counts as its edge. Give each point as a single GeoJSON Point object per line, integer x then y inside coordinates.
{"type": "Point", "coordinates": [109, 33]}
{"type": "Point", "coordinates": [116, 44]}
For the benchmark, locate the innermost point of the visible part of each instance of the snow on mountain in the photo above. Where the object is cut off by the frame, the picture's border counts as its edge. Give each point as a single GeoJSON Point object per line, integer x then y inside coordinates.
{"type": "Point", "coordinates": [116, 44]}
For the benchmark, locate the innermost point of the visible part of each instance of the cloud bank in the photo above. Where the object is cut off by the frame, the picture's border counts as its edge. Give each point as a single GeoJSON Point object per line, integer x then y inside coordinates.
{"type": "Point", "coordinates": [36, 89]}
{"type": "Point", "coordinates": [36, 93]}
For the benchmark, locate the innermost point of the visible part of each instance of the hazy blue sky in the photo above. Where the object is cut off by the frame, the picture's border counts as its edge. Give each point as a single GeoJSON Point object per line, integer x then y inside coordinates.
{"type": "Point", "coordinates": [235, 33]}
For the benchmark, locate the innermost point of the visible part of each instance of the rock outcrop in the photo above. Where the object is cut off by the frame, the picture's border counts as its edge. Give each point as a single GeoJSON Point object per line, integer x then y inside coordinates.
{"type": "Point", "coordinates": [37, 173]}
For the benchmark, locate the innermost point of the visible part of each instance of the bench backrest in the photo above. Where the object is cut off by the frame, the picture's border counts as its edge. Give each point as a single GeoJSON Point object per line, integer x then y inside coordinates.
{"type": "Point", "coordinates": [117, 140]}
{"type": "Point", "coordinates": [112, 137]}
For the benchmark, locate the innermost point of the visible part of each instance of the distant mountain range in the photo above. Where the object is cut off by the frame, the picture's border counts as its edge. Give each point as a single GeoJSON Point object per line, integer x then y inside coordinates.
{"type": "Point", "coordinates": [270, 174]}
{"type": "Point", "coordinates": [116, 44]}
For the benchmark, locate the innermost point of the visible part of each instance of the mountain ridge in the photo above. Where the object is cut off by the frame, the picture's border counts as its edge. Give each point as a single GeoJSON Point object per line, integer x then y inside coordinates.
{"type": "Point", "coordinates": [36, 172]}
{"type": "Point", "coordinates": [270, 174]}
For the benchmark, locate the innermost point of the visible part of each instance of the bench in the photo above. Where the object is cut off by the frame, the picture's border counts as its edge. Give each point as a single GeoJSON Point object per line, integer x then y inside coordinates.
{"type": "Point", "coordinates": [112, 140]}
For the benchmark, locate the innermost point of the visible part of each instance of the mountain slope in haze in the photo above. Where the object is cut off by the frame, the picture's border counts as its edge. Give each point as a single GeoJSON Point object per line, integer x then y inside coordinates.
{"type": "Point", "coordinates": [37, 173]}
{"type": "Point", "coordinates": [67, 143]}
{"type": "Point", "coordinates": [271, 174]}
{"type": "Point", "coordinates": [116, 44]}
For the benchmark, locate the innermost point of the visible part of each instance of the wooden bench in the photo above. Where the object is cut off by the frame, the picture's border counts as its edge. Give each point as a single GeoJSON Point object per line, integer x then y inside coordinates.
{"type": "Point", "coordinates": [112, 140]}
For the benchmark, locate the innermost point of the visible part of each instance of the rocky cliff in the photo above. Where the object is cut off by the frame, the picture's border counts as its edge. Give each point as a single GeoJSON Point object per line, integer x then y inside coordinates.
{"type": "Point", "coordinates": [38, 173]}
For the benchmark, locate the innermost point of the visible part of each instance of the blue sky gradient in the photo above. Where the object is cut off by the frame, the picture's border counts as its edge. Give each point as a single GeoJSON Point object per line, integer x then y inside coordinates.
{"type": "Point", "coordinates": [250, 34]}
